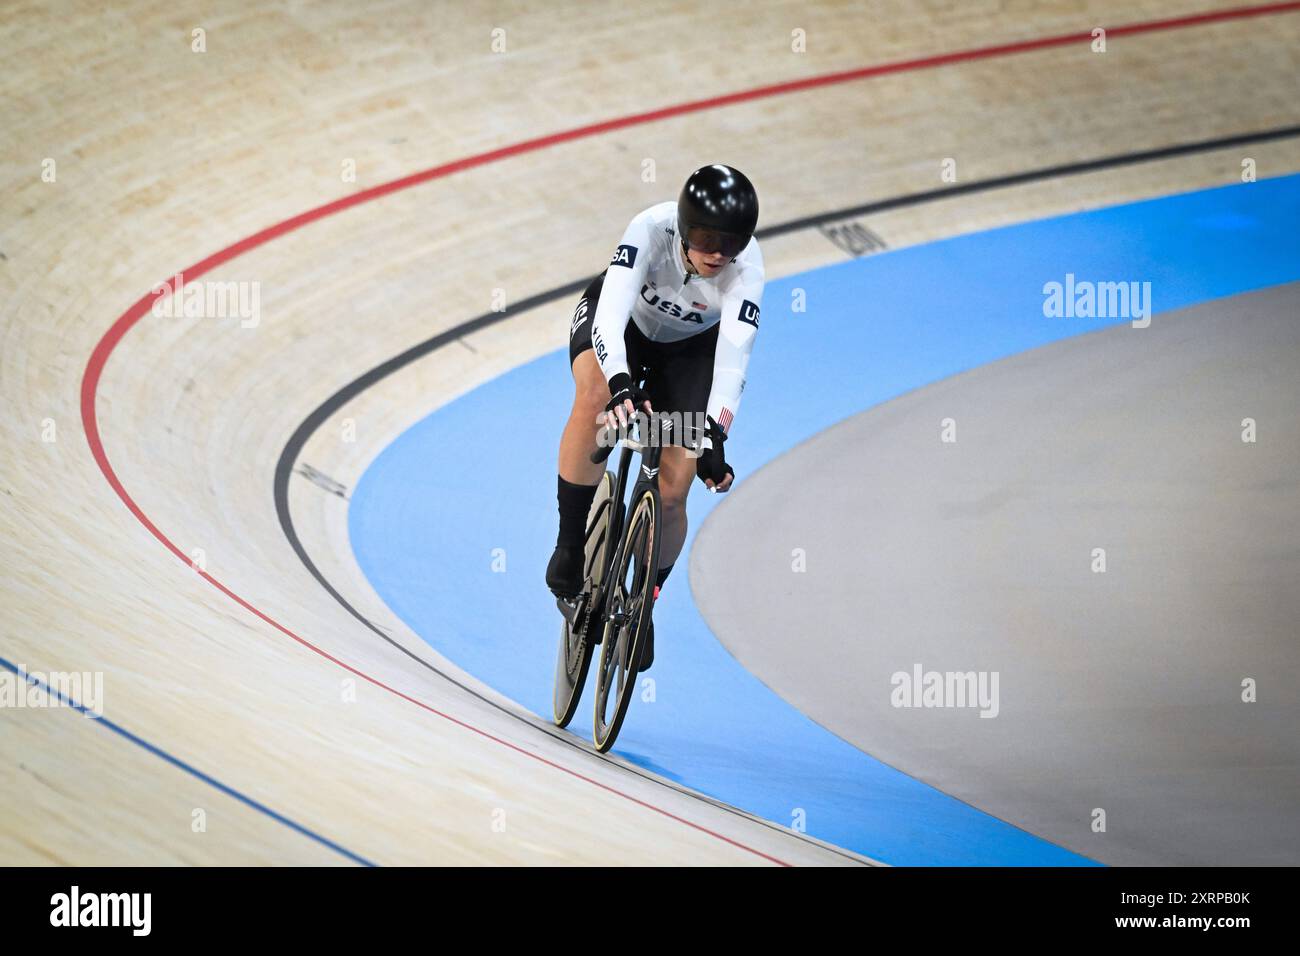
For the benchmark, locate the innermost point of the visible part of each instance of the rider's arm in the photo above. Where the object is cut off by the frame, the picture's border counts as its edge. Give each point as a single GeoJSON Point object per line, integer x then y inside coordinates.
{"type": "Point", "coordinates": [736, 332]}
{"type": "Point", "coordinates": [623, 280]}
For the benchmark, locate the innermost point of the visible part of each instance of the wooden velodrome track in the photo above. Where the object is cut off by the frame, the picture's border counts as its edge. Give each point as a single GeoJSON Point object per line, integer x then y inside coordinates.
{"type": "Point", "coordinates": [131, 440]}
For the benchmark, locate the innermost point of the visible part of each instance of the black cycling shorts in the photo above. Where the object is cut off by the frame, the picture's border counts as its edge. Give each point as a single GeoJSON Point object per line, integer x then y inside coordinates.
{"type": "Point", "coordinates": [678, 375]}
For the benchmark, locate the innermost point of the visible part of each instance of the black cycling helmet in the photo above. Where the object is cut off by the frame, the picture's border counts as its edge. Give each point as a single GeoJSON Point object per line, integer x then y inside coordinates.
{"type": "Point", "coordinates": [717, 210]}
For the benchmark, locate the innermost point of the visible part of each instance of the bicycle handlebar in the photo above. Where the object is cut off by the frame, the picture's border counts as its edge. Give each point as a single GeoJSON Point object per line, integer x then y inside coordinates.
{"type": "Point", "coordinates": [610, 438]}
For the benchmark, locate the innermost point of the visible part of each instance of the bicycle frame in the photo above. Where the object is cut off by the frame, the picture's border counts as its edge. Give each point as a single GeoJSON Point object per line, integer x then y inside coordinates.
{"type": "Point", "coordinates": [587, 618]}
{"type": "Point", "coordinates": [649, 474]}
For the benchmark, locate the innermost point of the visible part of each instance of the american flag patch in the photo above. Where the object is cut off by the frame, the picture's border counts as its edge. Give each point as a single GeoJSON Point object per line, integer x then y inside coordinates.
{"type": "Point", "coordinates": [724, 419]}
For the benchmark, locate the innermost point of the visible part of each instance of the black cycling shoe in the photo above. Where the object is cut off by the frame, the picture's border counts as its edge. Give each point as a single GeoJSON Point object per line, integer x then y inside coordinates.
{"type": "Point", "coordinates": [565, 574]}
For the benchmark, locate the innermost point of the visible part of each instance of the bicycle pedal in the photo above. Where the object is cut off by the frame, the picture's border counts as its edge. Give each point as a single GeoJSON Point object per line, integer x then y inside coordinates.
{"type": "Point", "coordinates": [572, 610]}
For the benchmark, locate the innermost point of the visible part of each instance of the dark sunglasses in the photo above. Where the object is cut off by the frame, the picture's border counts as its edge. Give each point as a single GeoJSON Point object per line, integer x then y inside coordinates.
{"type": "Point", "coordinates": [708, 242]}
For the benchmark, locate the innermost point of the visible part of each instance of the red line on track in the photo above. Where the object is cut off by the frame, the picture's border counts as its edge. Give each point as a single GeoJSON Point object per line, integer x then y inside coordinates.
{"type": "Point", "coordinates": [104, 349]}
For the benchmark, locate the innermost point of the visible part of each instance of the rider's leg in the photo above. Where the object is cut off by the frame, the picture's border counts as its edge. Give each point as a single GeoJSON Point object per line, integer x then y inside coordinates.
{"type": "Point", "coordinates": [578, 476]}
{"type": "Point", "coordinates": [676, 472]}
{"type": "Point", "coordinates": [590, 396]}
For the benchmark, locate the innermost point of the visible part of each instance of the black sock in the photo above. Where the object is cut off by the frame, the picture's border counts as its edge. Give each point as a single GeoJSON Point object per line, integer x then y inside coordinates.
{"type": "Point", "coordinates": [575, 502]}
{"type": "Point", "coordinates": [663, 576]}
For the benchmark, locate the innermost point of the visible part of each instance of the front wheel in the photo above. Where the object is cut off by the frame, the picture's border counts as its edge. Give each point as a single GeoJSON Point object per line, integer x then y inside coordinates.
{"type": "Point", "coordinates": [629, 604]}
{"type": "Point", "coordinates": [574, 657]}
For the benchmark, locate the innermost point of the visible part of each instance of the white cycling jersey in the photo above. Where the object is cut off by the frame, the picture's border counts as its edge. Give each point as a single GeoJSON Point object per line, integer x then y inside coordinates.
{"type": "Point", "coordinates": [648, 282]}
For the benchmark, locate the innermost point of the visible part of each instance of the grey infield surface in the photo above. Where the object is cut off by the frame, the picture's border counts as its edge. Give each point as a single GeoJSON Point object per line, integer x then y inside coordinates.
{"type": "Point", "coordinates": [1119, 691]}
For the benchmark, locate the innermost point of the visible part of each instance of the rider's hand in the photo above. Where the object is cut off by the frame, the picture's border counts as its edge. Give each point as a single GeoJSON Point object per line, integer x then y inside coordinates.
{"type": "Point", "coordinates": [715, 477]}
{"type": "Point", "coordinates": [711, 467]}
{"type": "Point", "coordinates": [627, 398]}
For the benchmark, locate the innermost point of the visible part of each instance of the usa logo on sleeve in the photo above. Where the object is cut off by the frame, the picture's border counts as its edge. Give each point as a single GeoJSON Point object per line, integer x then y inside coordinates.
{"type": "Point", "coordinates": [749, 313]}
{"type": "Point", "coordinates": [624, 256]}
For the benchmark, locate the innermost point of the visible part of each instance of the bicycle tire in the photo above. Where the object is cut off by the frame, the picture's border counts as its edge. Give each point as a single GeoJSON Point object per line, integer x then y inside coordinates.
{"type": "Point", "coordinates": [622, 645]}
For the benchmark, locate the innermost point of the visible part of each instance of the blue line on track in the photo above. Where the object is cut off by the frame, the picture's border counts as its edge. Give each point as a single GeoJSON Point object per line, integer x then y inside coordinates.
{"type": "Point", "coordinates": [182, 765]}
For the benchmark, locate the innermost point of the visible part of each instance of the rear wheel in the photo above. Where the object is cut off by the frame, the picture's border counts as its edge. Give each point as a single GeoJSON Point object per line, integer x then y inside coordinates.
{"type": "Point", "coordinates": [629, 604]}
{"type": "Point", "coordinates": [574, 658]}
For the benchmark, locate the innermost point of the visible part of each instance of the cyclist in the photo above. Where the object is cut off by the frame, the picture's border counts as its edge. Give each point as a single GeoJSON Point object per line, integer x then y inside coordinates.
{"type": "Point", "coordinates": [678, 305]}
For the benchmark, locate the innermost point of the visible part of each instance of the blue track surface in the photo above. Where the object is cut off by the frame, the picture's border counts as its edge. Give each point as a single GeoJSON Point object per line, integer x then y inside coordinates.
{"type": "Point", "coordinates": [428, 516]}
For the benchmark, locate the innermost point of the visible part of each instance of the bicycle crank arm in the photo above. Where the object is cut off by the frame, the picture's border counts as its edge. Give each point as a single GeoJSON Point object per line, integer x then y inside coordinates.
{"type": "Point", "coordinates": [572, 611]}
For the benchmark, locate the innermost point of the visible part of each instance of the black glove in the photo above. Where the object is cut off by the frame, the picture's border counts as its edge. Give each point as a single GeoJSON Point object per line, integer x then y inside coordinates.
{"type": "Point", "coordinates": [712, 463]}
{"type": "Point", "coordinates": [623, 389]}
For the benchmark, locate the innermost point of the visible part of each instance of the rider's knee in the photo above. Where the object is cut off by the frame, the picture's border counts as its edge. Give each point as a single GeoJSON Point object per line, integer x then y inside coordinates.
{"type": "Point", "coordinates": [592, 395]}
{"type": "Point", "coordinates": [673, 499]}
{"type": "Point", "coordinates": [595, 397]}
